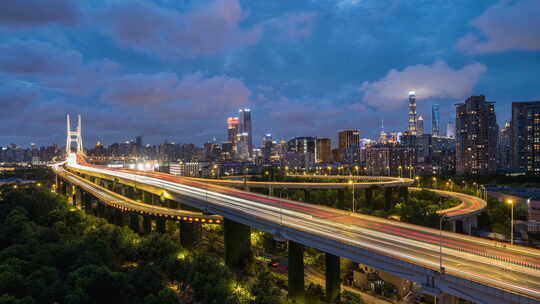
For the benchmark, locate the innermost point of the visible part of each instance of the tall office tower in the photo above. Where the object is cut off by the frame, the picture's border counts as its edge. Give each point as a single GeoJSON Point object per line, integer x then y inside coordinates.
{"type": "Point", "coordinates": [232, 129]}
{"type": "Point", "coordinates": [420, 126]}
{"type": "Point", "coordinates": [412, 113]}
{"type": "Point", "coordinates": [348, 138]}
{"type": "Point", "coordinates": [435, 120]}
{"type": "Point", "coordinates": [504, 148]}
{"type": "Point", "coordinates": [450, 130]}
{"type": "Point", "coordinates": [242, 147]}
{"type": "Point", "coordinates": [476, 136]}
{"type": "Point", "coordinates": [323, 150]}
{"type": "Point", "coordinates": [245, 127]}
{"type": "Point", "coordinates": [526, 136]}
{"type": "Point", "coordinates": [267, 146]}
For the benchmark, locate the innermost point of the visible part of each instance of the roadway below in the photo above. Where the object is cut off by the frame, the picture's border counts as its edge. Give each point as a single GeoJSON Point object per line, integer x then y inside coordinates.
{"type": "Point", "coordinates": [510, 268]}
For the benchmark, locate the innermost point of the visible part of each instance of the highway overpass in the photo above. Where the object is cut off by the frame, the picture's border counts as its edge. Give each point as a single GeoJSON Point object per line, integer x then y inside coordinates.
{"type": "Point", "coordinates": [475, 269]}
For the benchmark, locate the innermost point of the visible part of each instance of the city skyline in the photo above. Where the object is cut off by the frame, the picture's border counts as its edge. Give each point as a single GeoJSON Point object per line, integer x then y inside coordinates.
{"type": "Point", "coordinates": [311, 75]}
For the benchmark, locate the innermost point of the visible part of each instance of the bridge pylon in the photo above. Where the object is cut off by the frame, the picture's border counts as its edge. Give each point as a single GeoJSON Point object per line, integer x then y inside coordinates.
{"type": "Point", "coordinates": [74, 136]}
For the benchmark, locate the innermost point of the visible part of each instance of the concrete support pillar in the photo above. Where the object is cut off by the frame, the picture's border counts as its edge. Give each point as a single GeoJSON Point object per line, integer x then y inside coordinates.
{"type": "Point", "coordinates": [161, 225]}
{"type": "Point", "coordinates": [454, 226]}
{"type": "Point", "coordinates": [340, 198]}
{"type": "Point", "coordinates": [87, 202]}
{"type": "Point", "coordinates": [306, 195]}
{"type": "Point", "coordinates": [368, 193]}
{"type": "Point", "coordinates": [77, 201]}
{"type": "Point", "coordinates": [147, 224]}
{"type": "Point", "coordinates": [237, 244]}
{"type": "Point", "coordinates": [404, 191]}
{"type": "Point", "coordinates": [134, 222]}
{"type": "Point", "coordinates": [121, 217]}
{"type": "Point", "coordinates": [146, 197]}
{"type": "Point", "coordinates": [101, 210]}
{"type": "Point", "coordinates": [388, 203]}
{"type": "Point", "coordinates": [296, 272]}
{"type": "Point", "coordinates": [445, 298]}
{"type": "Point", "coordinates": [333, 281]}
{"type": "Point", "coordinates": [270, 191]}
{"type": "Point", "coordinates": [190, 234]}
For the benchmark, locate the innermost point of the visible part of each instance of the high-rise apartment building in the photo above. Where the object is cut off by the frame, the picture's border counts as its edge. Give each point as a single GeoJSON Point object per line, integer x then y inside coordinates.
{"type": "Point", "coordinates": [420, 126]}
{"type": "Point", "coordinates": [435, 120]}
{"type": "Point", "coordinates": [348, 138]}
{"type": "Point", "coordinates": [526, 136]}
{"type": "Point", "coordinates": [412, 113]}
{"type": "Point", "coordinates": [323, 150]}
{"type": "Point", "coordinates": [476, 136]}
{"type": "Point", "coordinates": [504, 148]}
{"type": "Point", "coordinates": [450, 130]}
{"type": "Point", "coordinates": [246, 128]}
{"type": "Point", "coordinates": [349, 145]}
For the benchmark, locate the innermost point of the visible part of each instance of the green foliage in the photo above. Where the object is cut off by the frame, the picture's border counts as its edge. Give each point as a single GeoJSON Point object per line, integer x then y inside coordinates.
{"type": "Point", "coordinates": [265, 290]}
{"type": "Point", "coordinates": [54, 254]}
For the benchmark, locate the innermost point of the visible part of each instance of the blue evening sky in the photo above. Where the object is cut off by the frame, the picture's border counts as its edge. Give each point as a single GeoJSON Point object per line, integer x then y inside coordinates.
{"type": "Point", "coordinates": [175, 70]}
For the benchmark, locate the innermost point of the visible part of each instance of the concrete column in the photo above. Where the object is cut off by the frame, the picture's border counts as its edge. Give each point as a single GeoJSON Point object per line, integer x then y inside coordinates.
{"type": "Point", "coordinates": [340, 198]}
{"type": "Point", "coordinates": [160, 225]}
{"type": "Point", "coordinates": [87, 202]}
{"type": "Point", "coordinates": [296, 272]}
{"type": "Point", "coordinates": [445, 298]}
{"type": "Point", "coordinates": [134, 222]}
{"type": "Point", "coordinates": [78, 197]}
{"type": "Point", "coordinates": [333, 280]}
{"type": "Point", "coordinates": [101, 212]}
{"type": "Point", "coordinates": [146, 197]}
{"type": "Point", "coordinates": [121, 217]}
{"type": "Point", "coordinates": [388, 202]}
{"type": "Point", "coordinates": [147, 224]}
{"type": "Point", "coordinates": [237, 243]}
{"type": "Point", "coordinates": [404, 191]}
{"type": "Point", "coordinates": [306, 195]}
{"type": "Point", "coordinates": [270, 191]}
{"type": "Point", "coordinates": [190, 234]}
{"type": "Point", "coordinates": [454, 226]}
{"type": "Point", "coordinates": [368, 193]}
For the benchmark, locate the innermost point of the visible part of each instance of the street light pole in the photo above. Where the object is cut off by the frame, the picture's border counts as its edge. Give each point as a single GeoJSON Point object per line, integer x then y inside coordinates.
{"type": "Point", "coordinates": [511, 202]}
{"type": "Point", "coordinates": [441, 268]}
{"type": "Point", "coordinates": [353, 200]}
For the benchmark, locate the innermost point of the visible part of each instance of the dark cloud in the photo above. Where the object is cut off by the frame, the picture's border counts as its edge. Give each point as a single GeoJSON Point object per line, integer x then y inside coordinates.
{"type": "Point", "coordinates": [16, 97]}
{"type": "Point", "coordinates": [37, 58]}
{"type": "Point", "coordinates": [194, 89]}
{"type": "Point", "coordinates": [31, 13]}
{"type": "Point", "coordinates": [204, 30]}
{"type": "Point", "coordinates": [508, 25]}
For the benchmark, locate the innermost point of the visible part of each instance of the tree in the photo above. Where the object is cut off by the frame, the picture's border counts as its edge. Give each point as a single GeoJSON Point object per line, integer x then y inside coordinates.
{"type": "Point", "coordinates": [265, 290]}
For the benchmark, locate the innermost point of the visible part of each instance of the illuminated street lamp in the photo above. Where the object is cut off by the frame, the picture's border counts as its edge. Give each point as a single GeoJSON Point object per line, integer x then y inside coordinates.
{"type": "Point", "coordinates": [511, 203]}
{"type": "Point", "coordinates": [353, 200]}
{"type": "Point", "coordinates": [435, 182]}
{"type": "Point", "coordinates": [400, 171]}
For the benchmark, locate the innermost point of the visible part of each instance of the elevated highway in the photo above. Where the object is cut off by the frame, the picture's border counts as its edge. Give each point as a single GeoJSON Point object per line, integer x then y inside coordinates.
{"type": "Point", "coordinates": [475, 269]}
{"type": "Point", "coordinates": [123, 203]}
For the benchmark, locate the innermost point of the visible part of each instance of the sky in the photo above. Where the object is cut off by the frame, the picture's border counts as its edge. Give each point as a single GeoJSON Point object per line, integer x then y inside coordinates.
{"type": "Point", "coordinates": [176, 69]}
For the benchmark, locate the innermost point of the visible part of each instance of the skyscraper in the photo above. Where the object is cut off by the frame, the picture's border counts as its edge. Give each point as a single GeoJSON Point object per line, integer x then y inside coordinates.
{"type": "Point", "coordinates": [348, 138]}
{"type": "Point", "coordinates": [450, 130]}
{"type": "Point", "coordinates": [504, 148]}
{"type": "Point", "coordinates": [245, 128]}
{"type": "Point", "coordinates": [435, 120]}
{"type": "Point", "coordinates": [412, 113]}
{"type": "Point", "coordinates": [232, 129]}
{"type": "Point", "coordinates": [476, 136]}
{"type": "Point", "coordinates": [267, 146]}
{"type": "Point", "coordinates": [323, 150]}
{"type": "Point", "coordinates": [525, 136]}
{"type": "Point", "coordinates": [420, 126]}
